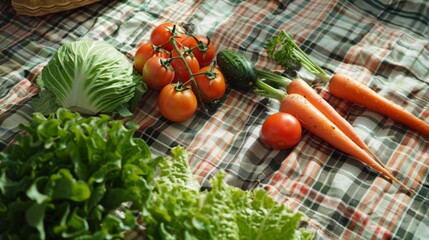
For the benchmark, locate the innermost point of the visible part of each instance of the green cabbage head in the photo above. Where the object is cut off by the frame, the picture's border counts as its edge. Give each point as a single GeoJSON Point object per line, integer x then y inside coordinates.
{"type": "Point", "coordinates": [86, 76]}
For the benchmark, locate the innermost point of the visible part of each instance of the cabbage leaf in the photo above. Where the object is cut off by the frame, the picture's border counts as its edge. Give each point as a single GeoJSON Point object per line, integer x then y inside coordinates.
{"type": "Point", "coordinates": [89, 77]}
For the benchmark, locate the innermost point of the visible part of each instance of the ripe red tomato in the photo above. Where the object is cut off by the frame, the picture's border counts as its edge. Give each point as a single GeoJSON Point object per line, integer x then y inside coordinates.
{"type": "Point", "coordinates": [177, 104]}
{"type": "Point", "coordinates": [281, 131]}
{"type": "Point", "coordinates": [162, 33]}
{"type": "Point", "coordinates": [180, 68]}
{"type": "Point", "coordinates": [156, 74]}
{"type": "Point", "coordinates": [202, 49]}
{"type": "Point", "coordinates": [211, 83]}
{"type": "Point", "coordinates": [143, 53]}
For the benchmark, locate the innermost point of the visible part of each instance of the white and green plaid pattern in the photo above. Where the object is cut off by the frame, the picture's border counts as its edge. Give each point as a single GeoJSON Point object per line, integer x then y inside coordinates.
{"type": "Point", "coordinates": [382, 43]}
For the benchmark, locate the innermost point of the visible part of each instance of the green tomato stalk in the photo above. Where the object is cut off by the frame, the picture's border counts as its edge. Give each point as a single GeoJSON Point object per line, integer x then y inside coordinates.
{"type": "Point", "coordinates": [200, 45]}
{"type": "Point", "coordinates": [188, 69]}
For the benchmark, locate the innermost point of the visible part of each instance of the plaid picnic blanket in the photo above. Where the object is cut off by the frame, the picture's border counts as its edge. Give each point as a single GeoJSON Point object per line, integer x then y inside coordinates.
{"type": "Point", "coordinates": [381, 43]}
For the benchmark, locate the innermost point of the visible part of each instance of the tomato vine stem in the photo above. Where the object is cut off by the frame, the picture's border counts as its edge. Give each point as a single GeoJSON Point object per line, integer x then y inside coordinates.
{"type": "Point", "coordinates": [191, 74]}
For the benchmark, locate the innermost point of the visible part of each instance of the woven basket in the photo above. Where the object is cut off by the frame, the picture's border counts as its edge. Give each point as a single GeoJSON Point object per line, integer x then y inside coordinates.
{"type": "Point", "coordinates": [43, 7]}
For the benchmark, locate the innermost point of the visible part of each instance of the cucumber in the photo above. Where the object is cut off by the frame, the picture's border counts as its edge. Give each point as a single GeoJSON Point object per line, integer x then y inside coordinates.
{"type": "Point", "coordinates": [238, 71]}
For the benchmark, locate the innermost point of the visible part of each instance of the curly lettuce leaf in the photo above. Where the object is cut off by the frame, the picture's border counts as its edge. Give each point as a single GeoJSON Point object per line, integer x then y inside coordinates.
{"type": "Point", "coordinates": [261, 217]}
{"type": "Point", "coordinates": [220, 208]}
{"type": "Point", "coordinates": [172, 211]}
{"type": "Point", "coordinates": [68, 174]}
{"type": "Point", "coordinates": [179, 210]}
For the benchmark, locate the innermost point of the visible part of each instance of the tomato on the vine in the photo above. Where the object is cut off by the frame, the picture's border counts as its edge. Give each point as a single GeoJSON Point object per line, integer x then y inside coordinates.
{"type": "Point", "coordinates": [281, 131]}
{"type": "Point", "coordinates": [157, 73]}
{"type": "Point", "coordinates": [211, 83]}
{"type": "Point", "coordinates": [177, 103]}
{"type": "Point", "coordinates": [179, 66]}
{"type": "Point", "coordinates": [144, 52]}
{"type": "Point", "coordinates": [162, 33]}
{"type": "Point", "coordinates": [202, 48]}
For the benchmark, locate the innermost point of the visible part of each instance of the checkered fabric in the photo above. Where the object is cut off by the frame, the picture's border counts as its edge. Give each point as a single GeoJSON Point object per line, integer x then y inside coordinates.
{"type": "Point", "coordinates": [384, 44]}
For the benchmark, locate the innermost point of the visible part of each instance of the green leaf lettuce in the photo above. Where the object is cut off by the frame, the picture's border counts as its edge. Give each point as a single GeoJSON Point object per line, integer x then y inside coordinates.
{"type": "Point", "coordinates": [68, 174]}
{"type": "Point", "coordinates": [177, 208]}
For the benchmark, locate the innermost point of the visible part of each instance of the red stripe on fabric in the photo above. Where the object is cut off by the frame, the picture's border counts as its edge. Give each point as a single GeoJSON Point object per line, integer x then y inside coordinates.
{"type": "Point", "coordinates": [22, 91]}
{"type": "Point", "coordinates": [372, 49]}
{"type": "Point", "coordinates": [148, 114]}
{"type": "Point", "coordinates": [297, 187]}
{"type": "Point", "coordinates": [236, 28]}
{"type": "Point", "coordinates": [408, 145]}
{"type": "Point", "coordinates": [212, 156]}
{"type": "Point", "coordinates": [400, 158]}
{"type": "Point", "coordinates": [318, 11]}
{"type": "Point", "coordinates": [21, 33]}
{"type": "Point", "coordinates": [373, 200]}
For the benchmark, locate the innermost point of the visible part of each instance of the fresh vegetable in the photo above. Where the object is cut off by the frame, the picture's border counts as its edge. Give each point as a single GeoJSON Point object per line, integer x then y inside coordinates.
{"type": "Point", "coordinates": [211, 83]}
{"type": "Point", "coordinates": [89, 77]}
{"type": "Point", "coordinates": [239, 72]}
{"type": "Point", "coordinates": [161, 35]}
{"type": "Point", "coordinates": [281, 131]}
{"type": "Point", "coordinates": [67, 175]}
{"type": "Point", "coordinates": [202, 48]}
{"type": "Point", "coordinates": [242, 74]}
{"type": "Point", "coordinates": [317, 123]}
{"type": "Point", "coordinates": [285, 51]}
{"type": "Point", "coordinates": [146, 51]}
{"type": "Point", "coordinates": [177, 103]}
{"type": "Point", "coordinates": [183, 66]}
{"type": "Point", "coordinates": [157, 73]}
{"type": "Point", "coordinates": [71, 177]}
{"type": "Point", "coordinates": [299, 86]}
{"type": "Point", "coordinates": [178, 209]}
{"type": "Point", "coordinates": [351, 90]}
{"type": "Point", "coordinates": [187, 56]}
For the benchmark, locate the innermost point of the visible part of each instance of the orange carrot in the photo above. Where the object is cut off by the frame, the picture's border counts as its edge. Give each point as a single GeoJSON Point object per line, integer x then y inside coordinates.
{"type": "Point", "coordinates": [345, 88]}
{"type": "Point", "coordinates": [285, 51]}
{"type": "Point", "coordinates": [318, 124]}
{"type": "Point", "coordinates": [300, 87]}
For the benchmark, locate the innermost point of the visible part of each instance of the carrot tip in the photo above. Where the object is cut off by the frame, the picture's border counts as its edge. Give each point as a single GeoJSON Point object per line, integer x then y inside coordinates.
{"type": "Point", "coordinates": [409, 191]}
{"type": "Point", "coordinates": [375, 157]}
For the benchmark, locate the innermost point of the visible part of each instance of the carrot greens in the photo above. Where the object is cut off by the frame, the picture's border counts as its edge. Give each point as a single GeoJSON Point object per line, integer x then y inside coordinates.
{"type": "Point", "coordinates": [289, 55]}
